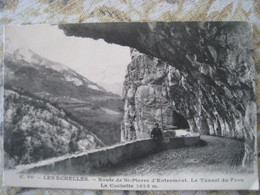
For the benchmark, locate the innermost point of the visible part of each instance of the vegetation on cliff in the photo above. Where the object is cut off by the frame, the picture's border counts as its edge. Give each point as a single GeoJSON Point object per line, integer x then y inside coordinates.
{"type": "Point", "coordinates": [36, 130]}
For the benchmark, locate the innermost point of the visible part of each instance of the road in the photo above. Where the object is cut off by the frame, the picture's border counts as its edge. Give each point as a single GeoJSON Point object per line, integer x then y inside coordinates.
{"type": "Point", "coordinates": [216, 154]}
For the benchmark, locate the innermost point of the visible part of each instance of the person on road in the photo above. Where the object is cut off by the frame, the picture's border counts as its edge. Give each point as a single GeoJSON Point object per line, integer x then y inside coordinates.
{"type": "Point", "coordinates": [132, 131]}
{"type": "Point", "coordinates": [156, 133]}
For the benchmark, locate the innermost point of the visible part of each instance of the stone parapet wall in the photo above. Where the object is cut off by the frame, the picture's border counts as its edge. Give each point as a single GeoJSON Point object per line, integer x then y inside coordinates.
{"type": "Point", "coordinates": [111, 156]}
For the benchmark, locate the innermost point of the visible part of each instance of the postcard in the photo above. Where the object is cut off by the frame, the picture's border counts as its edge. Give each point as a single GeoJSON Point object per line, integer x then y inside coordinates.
{"type": "Point", "coordinates": [130, 106]}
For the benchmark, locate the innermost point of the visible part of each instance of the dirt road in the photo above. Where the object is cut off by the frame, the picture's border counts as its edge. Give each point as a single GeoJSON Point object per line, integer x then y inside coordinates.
{"type": "Point", "coordinates": [215, 154]}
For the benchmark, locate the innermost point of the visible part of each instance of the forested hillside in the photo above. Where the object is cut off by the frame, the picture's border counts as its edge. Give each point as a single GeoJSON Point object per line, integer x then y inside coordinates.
{"type": "Point", "coordinates": [36, 130]}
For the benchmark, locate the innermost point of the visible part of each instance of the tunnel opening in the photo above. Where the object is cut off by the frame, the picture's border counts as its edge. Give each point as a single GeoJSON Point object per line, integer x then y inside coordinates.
{"type": "Point", "coordinates": [180, 121]}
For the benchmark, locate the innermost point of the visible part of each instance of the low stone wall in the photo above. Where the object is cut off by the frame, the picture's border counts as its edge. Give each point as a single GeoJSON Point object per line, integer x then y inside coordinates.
{"type": "Point", "coordinates": [106, 157]}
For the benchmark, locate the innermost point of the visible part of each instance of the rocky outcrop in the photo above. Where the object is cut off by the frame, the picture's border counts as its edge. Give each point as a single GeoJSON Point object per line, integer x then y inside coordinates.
{"type": "Point", "coordinates": [210, 73]}
{"type": "Point", "coordinates": [147, 97]}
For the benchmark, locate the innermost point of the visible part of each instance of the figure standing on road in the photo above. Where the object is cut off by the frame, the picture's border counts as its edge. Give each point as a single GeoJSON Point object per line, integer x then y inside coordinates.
{"type": "Point", "coordinates": [156, 133]}
{"type": "Point", "coordinates": [132, 131]}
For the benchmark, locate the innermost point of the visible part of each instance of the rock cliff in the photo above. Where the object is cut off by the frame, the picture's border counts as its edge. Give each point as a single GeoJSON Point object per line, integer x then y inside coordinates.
{"type": "Point", "coordinates": [205, 73]}
{"type": "Point", "coordinates": [147, 97]}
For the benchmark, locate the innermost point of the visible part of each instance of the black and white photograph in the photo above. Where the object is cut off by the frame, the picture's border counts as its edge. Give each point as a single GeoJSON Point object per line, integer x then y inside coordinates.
{"type": "Point", "coordinates": [130, 106]}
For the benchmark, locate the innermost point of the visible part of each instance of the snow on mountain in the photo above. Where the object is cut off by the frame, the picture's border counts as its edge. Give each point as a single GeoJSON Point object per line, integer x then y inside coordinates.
{"type": "Point", "coordinates": [75, 80]}
{"type": "Point", "coordinates": [36, 61]}
{"type": "Point", "coordinates": [24, 54]}
{"type": "Point", "coordinates": [95, 87]}
{"type": "Point", "coordinates": [29, 56]}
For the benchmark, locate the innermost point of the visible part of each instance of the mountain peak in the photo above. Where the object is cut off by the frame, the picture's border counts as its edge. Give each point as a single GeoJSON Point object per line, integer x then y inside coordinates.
{"type": "Point", "coordinates": [25, 54]}
{"type": "Point", "coordinates": [56, 74]}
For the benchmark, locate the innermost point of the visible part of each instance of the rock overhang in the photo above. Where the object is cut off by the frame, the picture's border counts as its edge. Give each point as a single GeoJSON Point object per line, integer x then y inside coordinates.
{"type": "Point", "coordinates": [210, 69]}
{"type": "Point", "coordinates": [183, 38]}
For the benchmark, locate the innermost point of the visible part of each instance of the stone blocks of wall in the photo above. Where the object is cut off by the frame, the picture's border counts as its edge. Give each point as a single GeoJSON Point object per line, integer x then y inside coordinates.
{"type": "Point", "coordinates": [115, 155]}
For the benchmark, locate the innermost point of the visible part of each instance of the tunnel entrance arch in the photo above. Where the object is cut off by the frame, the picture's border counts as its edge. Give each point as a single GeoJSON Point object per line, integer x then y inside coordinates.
{"type": "Point", "coordinates": [180, 121]}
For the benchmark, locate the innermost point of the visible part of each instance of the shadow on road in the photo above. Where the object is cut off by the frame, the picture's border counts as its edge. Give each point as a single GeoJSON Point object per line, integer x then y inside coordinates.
{"type": "Point", "coordinates": [202, 143]}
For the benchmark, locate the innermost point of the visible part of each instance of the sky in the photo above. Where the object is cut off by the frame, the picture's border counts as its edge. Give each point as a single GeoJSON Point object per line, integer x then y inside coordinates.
{"type": "Point", "coordinates": [97, 60]}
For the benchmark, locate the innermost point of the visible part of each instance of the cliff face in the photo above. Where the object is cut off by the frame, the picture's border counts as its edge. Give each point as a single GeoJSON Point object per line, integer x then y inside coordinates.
{"type": "Point", "coordinates": [205, 73]}
{"type": "Point", "coordinates": [154, 91]}
{"type": "Point", "coordinates": [147, 97]}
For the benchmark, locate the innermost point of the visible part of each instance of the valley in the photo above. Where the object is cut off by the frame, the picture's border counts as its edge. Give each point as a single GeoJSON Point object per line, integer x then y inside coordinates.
{"type": "Point", "coordinates": [97, 109]}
